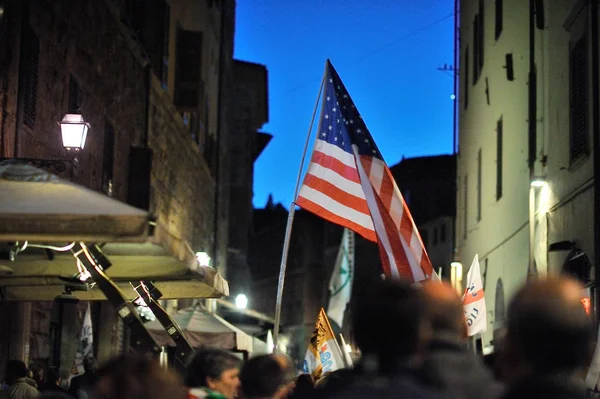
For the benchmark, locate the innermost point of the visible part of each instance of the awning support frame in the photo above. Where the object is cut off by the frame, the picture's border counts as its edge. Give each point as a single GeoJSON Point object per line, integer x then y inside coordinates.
{"type": "Point", "coordinates": [92, 259]}
{"type": "Point", "coordinates": [150, 294]}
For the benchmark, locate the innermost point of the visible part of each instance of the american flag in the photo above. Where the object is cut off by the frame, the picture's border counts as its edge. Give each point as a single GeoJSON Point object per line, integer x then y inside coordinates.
{"type": "Point", "coordinates": [349, 183]}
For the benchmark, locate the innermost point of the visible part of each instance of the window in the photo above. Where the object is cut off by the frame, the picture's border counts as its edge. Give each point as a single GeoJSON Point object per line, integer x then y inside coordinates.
{"type": "Point", "coordinates": [498, 18]}
{"type": "Point", "coordinates": [466, 78]}
{"type": "Point", "coordinates": [443, 233]}
{"type": "Point", "coordinates": [435, 236]}
{"type": "Point", "coordinates": [29, 75]}
{"type": "Point", "coordinates": [478, 42]}
{"type": "Point", "coordinates": [75, 97]}
{"type": "Point", "coordinates": [108, 158]}
{"type": "Point", "coordinates": [150, 22]}
{"type": "Point", "coordinates": [578, 63]}
{"type": "Point", "coordinates": [466, 205]}
{"type": "Point", "coordinates": [499, 159]}
{"type": "Point", "coordinates": [479, 185]}
{"type": "Point", "coordinates": [188, 70]}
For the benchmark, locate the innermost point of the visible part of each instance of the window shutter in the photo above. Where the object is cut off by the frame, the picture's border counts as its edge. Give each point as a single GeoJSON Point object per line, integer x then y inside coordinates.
{"type": "Point", "coordinates": [579, 141]}
{"type": "Point", "coordinates": [29, 58]}
{"type": "Point", "coordinates": [188, 72]}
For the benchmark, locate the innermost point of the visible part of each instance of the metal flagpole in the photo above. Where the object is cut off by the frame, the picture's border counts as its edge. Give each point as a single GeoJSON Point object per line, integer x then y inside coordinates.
{"type": "Point", "coordinates": [288, 229]}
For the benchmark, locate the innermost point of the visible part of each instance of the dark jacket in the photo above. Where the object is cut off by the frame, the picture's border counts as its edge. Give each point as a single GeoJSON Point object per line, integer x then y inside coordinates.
{"type": "Point", "coordinates": [402, 383]}
{"type": "Point", "coordinates": [81, 384]}
{"type": "Point", "coordinates": [454, 369]}
{"type": "Point", "coordinates": [555, 386]}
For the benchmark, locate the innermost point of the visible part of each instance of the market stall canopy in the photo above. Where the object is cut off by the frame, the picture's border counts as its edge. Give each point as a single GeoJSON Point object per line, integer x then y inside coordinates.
{"type": "Point", "coordinates": [41, 213]}
{"type": "Point", "coordinates": [204, 328]}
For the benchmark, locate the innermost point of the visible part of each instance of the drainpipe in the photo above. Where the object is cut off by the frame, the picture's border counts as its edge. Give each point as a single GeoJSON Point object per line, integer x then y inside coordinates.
{"type": "Point", "coordinates": [148, 84]}
{"type": "Point", "coordinates": [4, 21]}
{"type": "Point", "coordinates": [596, 148]}
{"type": "Point", "coordinates": [224, 7]}
{"type": "Point", "coordinates": [21, 69]}
{"type": "Point", "coordinates": [532, 133]}
{"type": "Point", "coordinates": [455, 122]}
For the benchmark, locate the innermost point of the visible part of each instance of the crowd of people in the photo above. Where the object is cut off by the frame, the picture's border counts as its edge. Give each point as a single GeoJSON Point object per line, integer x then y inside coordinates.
{"type": "Point", "coordinates": [413, 342]}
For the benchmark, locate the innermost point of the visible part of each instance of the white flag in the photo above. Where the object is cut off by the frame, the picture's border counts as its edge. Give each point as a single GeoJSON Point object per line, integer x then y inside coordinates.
{"type": "Point", "coordinates": [270, 345]}
{"type": "Point", "coordinates": [323, 353]}
{"type": "Point", "coordinates": [340, 284]}
{"type": "Point", "coordinates": [474, 301]}
{"type": "Point", "coordinates": [86, 341]}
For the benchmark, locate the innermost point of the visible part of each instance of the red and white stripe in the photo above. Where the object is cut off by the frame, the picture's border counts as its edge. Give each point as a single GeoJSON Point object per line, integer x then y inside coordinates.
{"type": "Point", "coordinates": [364, 197]}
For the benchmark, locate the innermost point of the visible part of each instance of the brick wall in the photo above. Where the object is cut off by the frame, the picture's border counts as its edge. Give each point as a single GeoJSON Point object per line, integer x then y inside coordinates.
{"type": "Point", "coordinates": [183, 189]}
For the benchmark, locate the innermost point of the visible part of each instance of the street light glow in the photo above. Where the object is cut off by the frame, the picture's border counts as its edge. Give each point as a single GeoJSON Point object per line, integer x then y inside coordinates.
{"type": "Point", "coordinates": [203, 259]}
{"type": "Point", "coordinates": [241, 301]}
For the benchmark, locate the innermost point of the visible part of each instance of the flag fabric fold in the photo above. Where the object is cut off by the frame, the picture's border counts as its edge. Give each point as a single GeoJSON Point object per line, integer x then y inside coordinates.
{"type": "Point", "coordinates": [86, 344]}
{"type": "Point", "coordinates": [349, 183]}
{"type": "Point", "coordinates": [474, 301]}
{"type": "Point", "coordinates": [323, 353]}
{"type": "Point", "coordinates": [340, 283]}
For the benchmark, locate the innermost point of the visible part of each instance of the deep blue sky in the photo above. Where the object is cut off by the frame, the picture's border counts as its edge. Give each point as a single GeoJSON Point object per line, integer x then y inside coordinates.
{"type": "Point", "coordinates": [387, 53]}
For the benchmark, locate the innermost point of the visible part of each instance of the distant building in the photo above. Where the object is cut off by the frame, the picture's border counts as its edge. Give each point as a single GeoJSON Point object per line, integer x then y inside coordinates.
{"type": "Point", "coordinates": [428, 185]}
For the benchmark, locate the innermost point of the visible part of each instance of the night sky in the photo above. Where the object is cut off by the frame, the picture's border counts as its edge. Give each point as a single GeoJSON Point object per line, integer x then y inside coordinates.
{"type": "Point", "coordinates": [387, 53]}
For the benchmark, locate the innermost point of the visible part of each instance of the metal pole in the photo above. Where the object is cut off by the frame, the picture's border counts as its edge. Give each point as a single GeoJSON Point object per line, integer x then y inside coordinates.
{"type": "Point", "coordinates": [532, 130]}
{"type": "Point", "coordinates": [288, 229]}
{"type": "Point", "coordinates": [596, 148]}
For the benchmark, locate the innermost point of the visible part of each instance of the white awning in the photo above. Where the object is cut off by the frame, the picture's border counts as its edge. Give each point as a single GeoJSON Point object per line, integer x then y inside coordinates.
{"type": "Point", "coordinates": [40, 209]}
{"type": "Point", "coordinates": [203, 328]}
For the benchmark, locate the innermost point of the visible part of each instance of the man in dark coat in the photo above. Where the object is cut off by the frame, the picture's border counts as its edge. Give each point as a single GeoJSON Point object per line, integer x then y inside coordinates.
{"type": "Point", "coordinates": [449, 365]}
{"type": "Point", "coordinates": [548, 341]}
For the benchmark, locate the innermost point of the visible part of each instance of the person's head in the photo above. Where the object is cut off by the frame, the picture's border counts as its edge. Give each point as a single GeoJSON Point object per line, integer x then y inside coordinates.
{"type": "Point", "coordinates": [266, 376]}
{"type": "Point", "coordinates": [444, 309]}
{"type": "Point", "coordinates": [304, 385]}
{"type": "Point", "coordinates": [389, 325]}
{"type": "Point", "coordinates": [15, 369]}
{"type": "Point", "coordinates": [129, 376]}
{"type": "Point", "coordinates": [89, 364]}
{"type": "Point", "coordinates": [547, 329]}
{"type": "Point", "coordinates": [215, 369]}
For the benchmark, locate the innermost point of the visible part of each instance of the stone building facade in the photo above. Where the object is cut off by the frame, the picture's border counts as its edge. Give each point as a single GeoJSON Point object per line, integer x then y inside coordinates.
{"type": "Point", "coordinates": [526, 171]}
{"type": "Point", "coordinates": [147, 77]}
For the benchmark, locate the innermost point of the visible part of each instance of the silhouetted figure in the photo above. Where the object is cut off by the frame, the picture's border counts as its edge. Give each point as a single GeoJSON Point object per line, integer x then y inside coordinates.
{"type": "Point", "coordinates": [266, 377]}
{"type": "Point", "coordinates": [15, 376]}
{"type": "Point", "coordinates": [80, 384]}
{"type": "Point", "coordinates": [391, 331]}
{"type": "Point", "coordinates": [449, 365]}
{"type": "Point", "coordinates": [304, 387]}
{"type": "Point", "coordinates": [213, 373]}
{"type": "Point", "coordinates": [548, 341]}
{"type": "Point", "coordinates": [52, 383]}
{"type": "Point", "coordinates": [136, 377]}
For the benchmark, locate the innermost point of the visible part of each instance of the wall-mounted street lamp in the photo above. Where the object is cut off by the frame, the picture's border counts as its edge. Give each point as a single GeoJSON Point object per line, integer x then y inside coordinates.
{"type": "Point", "coordinates": [456, 272]}
{"type": "Point", "coordinates": [74, 130]}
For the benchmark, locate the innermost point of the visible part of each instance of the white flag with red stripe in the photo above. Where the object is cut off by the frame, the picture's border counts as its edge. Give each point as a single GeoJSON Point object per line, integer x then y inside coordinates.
{"type": "Point", "coordinates": [474, 301]}
{"type": "Point", "coordinates": [348, 183]}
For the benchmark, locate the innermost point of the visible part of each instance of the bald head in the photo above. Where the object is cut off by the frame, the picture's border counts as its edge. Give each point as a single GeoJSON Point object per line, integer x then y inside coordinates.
{"type": "Point", "coordinates": [444, 309]}
{"type": "Point", "coordinates": [548, 328]}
